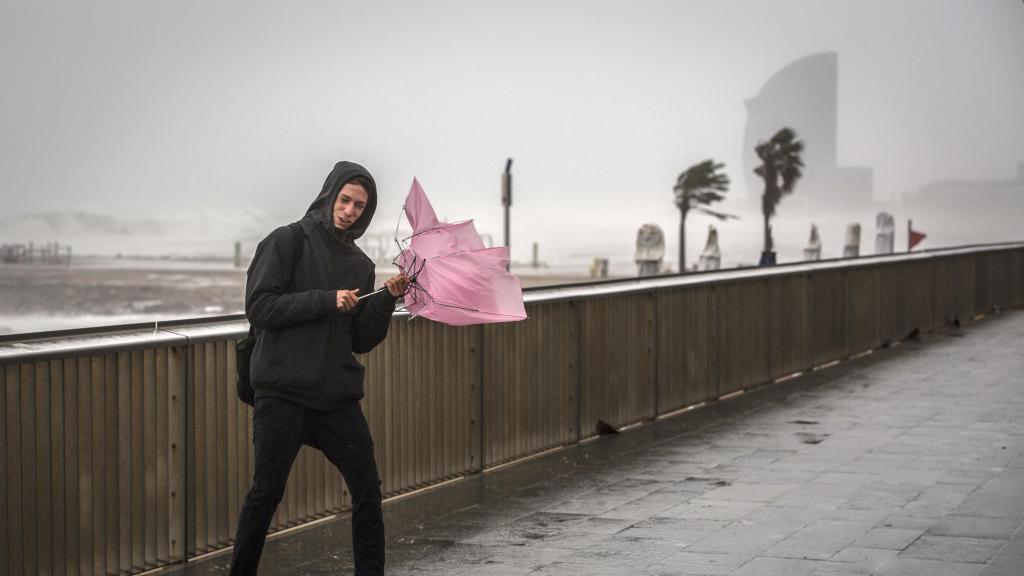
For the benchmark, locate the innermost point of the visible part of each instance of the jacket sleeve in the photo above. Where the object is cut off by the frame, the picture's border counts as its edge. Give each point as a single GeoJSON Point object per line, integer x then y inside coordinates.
{"type": "Point", "coordinates": [268, 303]}
{"type": "Point", "coordinates": [372, 319]}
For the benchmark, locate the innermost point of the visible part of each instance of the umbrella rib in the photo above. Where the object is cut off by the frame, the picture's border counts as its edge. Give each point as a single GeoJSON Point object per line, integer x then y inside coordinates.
{"type": "Point", "coordinates": [434, 256]}
{"type": "Point", "coordinates": [425, 230]}
{"type": "Point", "coordinates": [457, 252]}
{"type": "Point", "coordinates": [398, 223]}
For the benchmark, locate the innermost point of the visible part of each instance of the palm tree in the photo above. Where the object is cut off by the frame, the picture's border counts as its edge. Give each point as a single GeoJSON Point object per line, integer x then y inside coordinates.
{"type": "Point", "coordinates": [780, 169]}
{"type": "Point", "coordinates": [696, 188]}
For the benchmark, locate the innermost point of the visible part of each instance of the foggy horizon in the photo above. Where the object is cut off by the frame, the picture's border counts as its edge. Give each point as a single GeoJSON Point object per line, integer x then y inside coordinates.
{"type": "Point", "coordinates": [182, 128]}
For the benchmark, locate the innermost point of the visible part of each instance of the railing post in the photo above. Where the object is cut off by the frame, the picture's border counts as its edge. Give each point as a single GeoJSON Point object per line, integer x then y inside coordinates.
{"type": "Point", "coordinates": [713, 347]}
{"type": "Point", "coordinates": [652, 354]}
{"type": "Point", "coordinates": [178, 377]}
{"type": "Point", "coordinates": [190, 543]}
{"type": "Point", "coordinates": [478, 440]}
{"type": "Point", "coordinates": [577, 307]}
{"type": "Point", "coordinates": [766, 306]}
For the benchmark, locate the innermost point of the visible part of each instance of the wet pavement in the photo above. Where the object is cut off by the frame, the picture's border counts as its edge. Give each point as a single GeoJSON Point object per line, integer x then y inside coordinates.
{"type": "Point", "coordinates": [908, 461]}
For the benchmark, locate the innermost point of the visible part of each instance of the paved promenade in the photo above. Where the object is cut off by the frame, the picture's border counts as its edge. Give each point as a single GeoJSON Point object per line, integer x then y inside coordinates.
{"type": "Point", "coordinates": [905, 462]}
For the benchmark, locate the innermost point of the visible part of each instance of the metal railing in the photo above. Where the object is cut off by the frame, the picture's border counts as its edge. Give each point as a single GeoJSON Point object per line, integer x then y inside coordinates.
{"type": "Point", "coordinates": [125, 449]}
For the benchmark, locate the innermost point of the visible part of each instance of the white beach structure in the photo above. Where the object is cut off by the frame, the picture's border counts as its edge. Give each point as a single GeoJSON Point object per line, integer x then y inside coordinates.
{"type": "Point", "coordinates": [650, 250]}
{"type": "Point", "coordinates": [711, 257]}
{"type": "Point", "coordinates": [851, 248]}
{"type": "Point", "coordinates": [885, 233]}
{"type": "Point", "coordinates": [813, 249]}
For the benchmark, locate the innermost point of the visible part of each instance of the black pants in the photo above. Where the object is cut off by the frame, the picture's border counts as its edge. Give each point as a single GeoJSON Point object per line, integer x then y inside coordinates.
{"type": "Point", "coordinates": [279, 429]}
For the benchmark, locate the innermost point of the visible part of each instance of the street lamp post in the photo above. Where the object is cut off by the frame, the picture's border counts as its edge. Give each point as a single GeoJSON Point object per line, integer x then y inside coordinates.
{"type": "Point", "coordinates": [506, 201]}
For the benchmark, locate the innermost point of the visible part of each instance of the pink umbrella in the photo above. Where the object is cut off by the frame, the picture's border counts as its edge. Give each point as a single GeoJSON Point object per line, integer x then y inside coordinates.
{"type": "Point", "coordinates": [455, 279]}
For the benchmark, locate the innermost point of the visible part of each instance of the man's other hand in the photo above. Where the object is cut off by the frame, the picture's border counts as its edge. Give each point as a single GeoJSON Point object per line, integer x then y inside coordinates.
{"type": "Point", "coordinates": [397, 285]}
{"type": "Point", "coordinates": [347, 300]}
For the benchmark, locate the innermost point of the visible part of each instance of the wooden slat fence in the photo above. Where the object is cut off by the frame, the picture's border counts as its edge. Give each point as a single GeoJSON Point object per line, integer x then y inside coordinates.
{"type": "Point", "coordinates": [127, 451]}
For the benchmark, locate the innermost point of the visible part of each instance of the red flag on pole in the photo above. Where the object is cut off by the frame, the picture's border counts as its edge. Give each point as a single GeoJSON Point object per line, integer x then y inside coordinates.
{"type": "Point", "coordinates": [914, 237]}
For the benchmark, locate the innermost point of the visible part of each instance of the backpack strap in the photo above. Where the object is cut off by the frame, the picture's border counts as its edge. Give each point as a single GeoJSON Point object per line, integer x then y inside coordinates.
{"type": "Point", "coordinates": [298, 236]}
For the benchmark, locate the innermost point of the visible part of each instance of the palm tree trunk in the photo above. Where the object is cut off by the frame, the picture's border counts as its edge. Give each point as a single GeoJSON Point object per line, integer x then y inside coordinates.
{"type": "Point", "coordinates": [767, 233]}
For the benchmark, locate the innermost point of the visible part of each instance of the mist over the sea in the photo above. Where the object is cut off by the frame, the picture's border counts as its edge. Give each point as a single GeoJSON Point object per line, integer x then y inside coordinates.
{"type": "Point", "coordinates": [178, 129]}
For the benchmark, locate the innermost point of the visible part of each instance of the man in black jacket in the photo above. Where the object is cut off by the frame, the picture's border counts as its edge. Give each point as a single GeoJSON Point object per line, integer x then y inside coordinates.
{"type": "Point", "coordinates": [309, 322]}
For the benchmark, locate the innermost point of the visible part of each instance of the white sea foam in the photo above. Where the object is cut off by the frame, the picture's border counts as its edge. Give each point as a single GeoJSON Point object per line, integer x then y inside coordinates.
{"type": "Point", "coordinates": [46, 323]}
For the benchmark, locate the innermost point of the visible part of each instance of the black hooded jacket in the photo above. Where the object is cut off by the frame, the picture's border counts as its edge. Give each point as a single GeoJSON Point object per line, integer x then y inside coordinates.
{"type": "Point", "coordinates": [304, 345]}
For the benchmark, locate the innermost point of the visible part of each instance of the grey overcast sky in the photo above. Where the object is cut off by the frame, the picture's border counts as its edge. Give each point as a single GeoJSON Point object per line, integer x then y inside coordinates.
{"type": "Point", "coordinates": [221, 119]}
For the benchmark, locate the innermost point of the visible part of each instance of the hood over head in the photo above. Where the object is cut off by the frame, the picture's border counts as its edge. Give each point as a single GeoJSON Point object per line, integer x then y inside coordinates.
{"type": "Point", "coordinates": [321, 210]}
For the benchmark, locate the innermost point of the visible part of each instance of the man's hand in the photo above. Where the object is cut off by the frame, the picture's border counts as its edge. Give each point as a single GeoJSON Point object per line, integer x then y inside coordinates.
{"type": "Point", "coordinates": [397, 285]}
{"type": "Point", "coordinates": [347, 300]}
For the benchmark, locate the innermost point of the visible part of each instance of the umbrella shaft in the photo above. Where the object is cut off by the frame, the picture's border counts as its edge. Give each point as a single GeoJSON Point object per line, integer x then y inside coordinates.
{"type": "Point", "coordinates": [377, 291]}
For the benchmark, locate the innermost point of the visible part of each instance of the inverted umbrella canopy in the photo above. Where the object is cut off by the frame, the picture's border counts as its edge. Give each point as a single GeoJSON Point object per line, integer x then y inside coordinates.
{"type": "Point", "coordinates": [456, 280]}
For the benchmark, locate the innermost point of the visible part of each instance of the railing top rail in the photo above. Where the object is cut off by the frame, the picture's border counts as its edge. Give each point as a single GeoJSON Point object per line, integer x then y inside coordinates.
{"type": "Point", "coordinates": [41, 349]}
{"type": "Point", "coordinates": [653, 283]}
{"type": "Point", "coordinates": [39, 346]}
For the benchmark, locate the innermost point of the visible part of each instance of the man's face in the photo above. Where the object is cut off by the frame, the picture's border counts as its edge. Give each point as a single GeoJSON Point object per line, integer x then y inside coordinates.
{"type": "Point", "coordinates": [349, 206]}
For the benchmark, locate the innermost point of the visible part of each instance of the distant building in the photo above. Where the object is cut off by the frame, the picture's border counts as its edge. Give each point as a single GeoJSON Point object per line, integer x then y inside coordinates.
{"type": "Point", "coordinates": [804, 96]}
{"type": "Point", "coordinates": [13, 253]}
{"type": "Point", "coordinates": [958, 194]}
{"type": "Point", "coordinates": [49, 253]}
{"type": "Point", "coordinates": [982, 210]}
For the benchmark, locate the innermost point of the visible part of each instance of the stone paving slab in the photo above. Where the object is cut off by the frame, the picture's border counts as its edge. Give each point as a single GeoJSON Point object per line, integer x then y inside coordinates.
{"type": "Point", "coordinates": [905, 462]}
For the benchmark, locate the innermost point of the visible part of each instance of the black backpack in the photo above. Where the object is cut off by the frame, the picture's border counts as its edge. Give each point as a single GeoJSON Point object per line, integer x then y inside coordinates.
{"type": "Point", "coordinates": [244, 347]}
